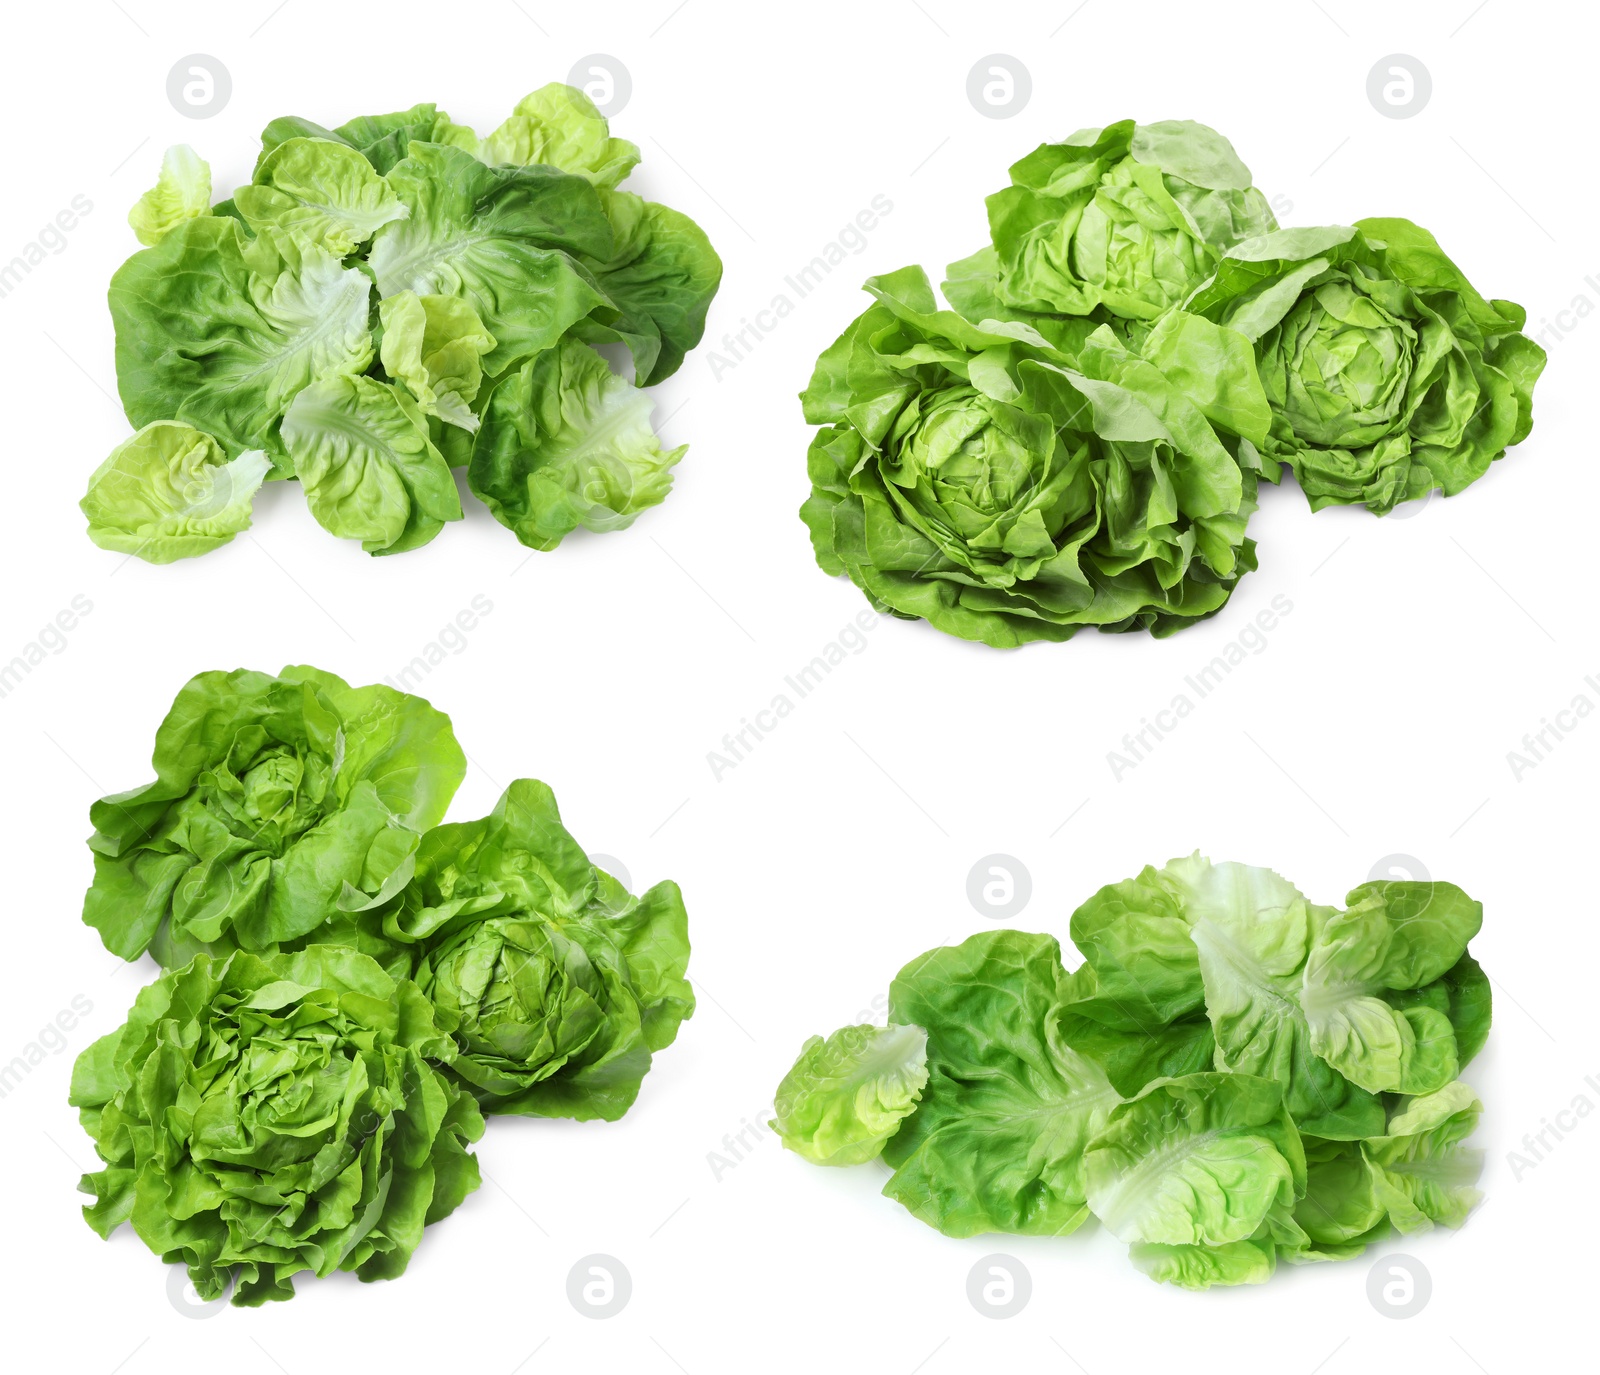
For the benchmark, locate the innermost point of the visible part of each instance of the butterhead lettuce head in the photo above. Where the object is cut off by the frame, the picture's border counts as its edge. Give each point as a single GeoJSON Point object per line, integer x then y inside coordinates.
{"type": "Point", "coordinates": [557, 984]}
{"type": "Point", "coordinates": [1120, 222]}
{"type": "Point", "coordinates": [262, 1117]}
{"type": "Point", "coordinates": [278, 804]}
{"type": "Point", "coordinates": [977, 478]}
{"type": "Point", "coordinates": [1387, 373]}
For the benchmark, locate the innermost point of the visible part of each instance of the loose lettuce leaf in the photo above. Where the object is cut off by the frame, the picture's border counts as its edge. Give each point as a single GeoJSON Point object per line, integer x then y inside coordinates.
{"type": "Point", "coordinates": [1393, 936]}
{"type": "Point", "coordinates": [181, 192]}
{"type": "Point", "coordinates": [222, 332]}
{"type": "Point", "coordinates": [1421, 1173]}
{"type": "Point", "coordinates": [1200, 1175]}
{"type": "Point", "coordinates": [566, 442]}
{"type": "Point", "coordinates": [1136, 1005]}
{"type": "Point", "coordinates": [559, 126]}
{"type": "Point", "coordinates": [323, 191]}
{"type": "Point", "coordinates": [168, 492]}
{"type": "Point", "coordinates": [1253, 930]}
{"type": "Point", "coordinates": [847, 1095]}
{"type": "Point", "coordinates": [996, 1144]}
{"type": "Point", "coordinates": [1197, 1161]}
{"type": "Point", "coordinates": [361, 451]}
{"type": "Point", "coordinates": [1134, 936]}
{"type": "Point", "coordinates": [502, 238]}
{"type": "Point", "coordinates": [1341, 1212]}
{"type": "Point", "coordinates": [660, 277]}
{"type": "Point", "coordinates": [435, 345]}
{"type": "Point", "coordinates": [383, 140]}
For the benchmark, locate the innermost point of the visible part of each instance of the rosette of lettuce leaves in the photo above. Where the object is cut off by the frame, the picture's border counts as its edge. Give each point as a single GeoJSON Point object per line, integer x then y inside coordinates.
{"type": "Point", "coordinates": [1233, 1076]}
{"type": "Point", "coordinates": [278, 804]}
{"type": "Point", "coordinates": [557, 984]}
{"type": "Point", "coordinates": [1388, 375]}
{"type": "Point", "coordinates": [263, 1117]}
{"type": "Point", "coordinates": [1111, 224]}
{"type": "Point", "coordinates": [351, 312]}
{"type": "Point", "coordinates": [979, 479]}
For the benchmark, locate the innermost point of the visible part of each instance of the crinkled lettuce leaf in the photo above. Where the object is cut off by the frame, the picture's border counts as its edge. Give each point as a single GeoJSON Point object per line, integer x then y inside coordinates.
{"type": "Point", "coordinates": [506, 239]}
{"type": "Point", "coordinates": [557, 125]}
{"type": "Point", "coordinates": [168, 492]}
{"type": "Point", "coordinates": [222, 331]}
{"type": "Point", "coordinates": [1200, 1175]}
{"type": "Point", "coordinates": [847, 1095]}
{"type": "Point", "coordinates": [660, 277]}
{"type": "Point", "coordinates": [325, 192]}
{"type": "Point", "coordinates": [996, 1143]}
{"type": "Point", "coordinates": [181, 192]}
{"type": "Point", "coordinates": [435, 345]}
{"type": "Point", "coordinates": [566, 442]}
{"type": "Point", "coordinates": [361, 451]}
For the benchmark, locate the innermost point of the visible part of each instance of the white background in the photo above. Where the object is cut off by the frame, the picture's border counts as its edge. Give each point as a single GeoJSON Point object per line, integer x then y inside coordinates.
{"type": "Point", "coordinates": [1377, 719]}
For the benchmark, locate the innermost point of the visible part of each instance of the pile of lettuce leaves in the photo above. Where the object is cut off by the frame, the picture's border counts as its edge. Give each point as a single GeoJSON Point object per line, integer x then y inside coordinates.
{"type": "Point", "coordinates": [1233, 1076]}
{"type": "Point", "coordinates": [350, 986]}
{"type": "Point", "coordinates": [1079, 440]}
{"type": "Point", "coordinates": [386, 301]}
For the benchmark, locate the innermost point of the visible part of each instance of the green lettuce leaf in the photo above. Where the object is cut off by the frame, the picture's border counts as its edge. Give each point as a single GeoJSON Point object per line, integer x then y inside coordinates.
{"type": "Point", "coordinates": [181, 192]}
{"type": "Point", "coordinates": [996, 1143]}
{"type": "Point", "coordinates": [558, 126]}
{"type": "Point", "coordinates": [1421, 1173]}
{"type": "Point", "coordinates": [222, 332]}
{"type": "Point", "coordinates": [361, 451]}
{"type": "Point", "coordinates": [1205, 1163]}
{"type": "Point", "coordinates": [506, 239]}
{"type": "Point", "coordinates": [383, 140]}
{"type": "Point", "coordinates": [566, 442]}
{"type": "Point", "coordinates": [168, 492]}
{"type": "Point", "coordinates": [660, 277]}
{"type": "Point", "coordinates": [323, 191]}
{"type": "Point", "coordinates": [1341, 1213]}
{"type": "Point", "coordinates": [847, 1095]}
{"type": "Point", "coordinates": [435, 345]}
{"type": "Point", "coordinates": [1393, 936]}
